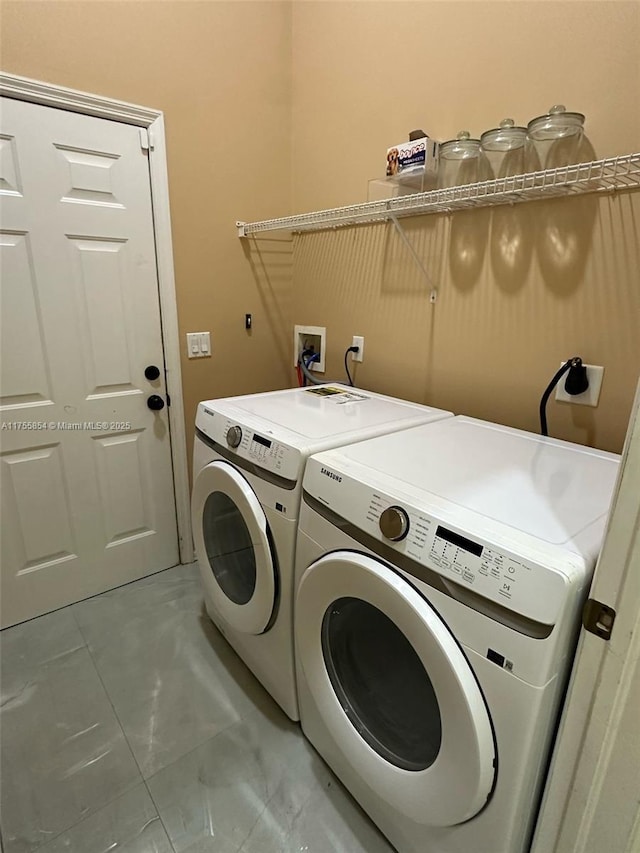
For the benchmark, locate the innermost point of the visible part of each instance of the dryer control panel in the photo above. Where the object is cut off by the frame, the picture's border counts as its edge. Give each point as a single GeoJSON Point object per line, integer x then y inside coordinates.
{"type": "Point", "coordinates": [470, 561]}
{"type": "Point", "coordinates": [463, 547]}
{"type": "Point", "coordinates": [491, 571]}
{"type": "Point", "coordinates": [256, 447]}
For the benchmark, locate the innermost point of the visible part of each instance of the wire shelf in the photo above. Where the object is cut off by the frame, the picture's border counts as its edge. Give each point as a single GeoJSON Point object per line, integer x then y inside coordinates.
{"type": "Point", "coordinates": [613, 174]}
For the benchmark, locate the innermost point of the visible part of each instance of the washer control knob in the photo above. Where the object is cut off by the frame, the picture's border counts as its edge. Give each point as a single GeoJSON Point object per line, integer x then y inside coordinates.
{"type": "Point", "coordinates": [234, 436]}
{"type": "Point", "coordinates": [394, 523]}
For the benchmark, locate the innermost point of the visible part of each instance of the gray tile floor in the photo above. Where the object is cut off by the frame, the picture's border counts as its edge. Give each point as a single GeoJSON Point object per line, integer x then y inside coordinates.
{"type": "Point", "coordinates": [128, 723]}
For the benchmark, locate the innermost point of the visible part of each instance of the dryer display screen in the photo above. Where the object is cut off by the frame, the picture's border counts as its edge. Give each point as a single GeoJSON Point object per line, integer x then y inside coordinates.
{"type": "Point", "coordinates": [260, 440]}
{"type": "Point", "coordinates": [459, 541]}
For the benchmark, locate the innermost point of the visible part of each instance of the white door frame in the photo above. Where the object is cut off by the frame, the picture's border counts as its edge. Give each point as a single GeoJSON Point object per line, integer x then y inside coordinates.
{"type": "Point", "coordinates": [598, 732]}
{"type": "Point", "coordinates": [45, 94]}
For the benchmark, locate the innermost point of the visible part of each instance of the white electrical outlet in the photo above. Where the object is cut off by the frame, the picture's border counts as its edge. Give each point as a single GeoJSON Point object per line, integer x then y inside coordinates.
{"type": "Point", "coordinates": [310, 337]}
{"type": "Point", "coordinates": [590, 396]}
{"type": "Point", "coordinates": [358, 341]}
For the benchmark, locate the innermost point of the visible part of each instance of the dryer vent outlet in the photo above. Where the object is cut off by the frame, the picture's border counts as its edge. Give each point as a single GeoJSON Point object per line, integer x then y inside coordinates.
{"type": "Point", "coordinates": [310, 338]}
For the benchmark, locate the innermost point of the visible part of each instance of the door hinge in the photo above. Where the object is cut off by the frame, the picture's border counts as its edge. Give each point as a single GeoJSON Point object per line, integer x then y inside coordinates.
{"type": "Point", "coordinates": [598, 618]}
{"type": "Point", "coordinates": [146, 138]}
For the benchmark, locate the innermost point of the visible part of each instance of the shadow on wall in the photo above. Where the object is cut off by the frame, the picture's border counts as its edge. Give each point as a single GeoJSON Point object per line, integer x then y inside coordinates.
{"type": "Point", "coordinates": [511, 245]}
{"type": "Point", "coordinates": [561, 234]}
{"type": "Point", "coordinates": [271, 262]}
{"type": "Point", "coordinates": [558, 232]}
{"type": "Point", "coordinates": [399, 273]}
{"type": "Point", "coordinates": [565, 231]}
{"type": "Point", "coordinates": [564, 235]}
{"type": "Point", "coordinates": [400, 276]}
{"type": "Point", "coordinates": [468, 246]}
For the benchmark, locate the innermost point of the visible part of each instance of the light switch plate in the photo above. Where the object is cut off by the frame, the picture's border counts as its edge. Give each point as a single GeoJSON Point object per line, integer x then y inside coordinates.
{"type": "Point", "coordinates": [198, 344]}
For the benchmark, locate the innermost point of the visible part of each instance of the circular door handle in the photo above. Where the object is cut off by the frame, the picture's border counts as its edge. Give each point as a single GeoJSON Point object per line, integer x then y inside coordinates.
{"type": "Point", "coordinates": [155, 402]}
{"type": "Point", "coordinates": [151, 372]}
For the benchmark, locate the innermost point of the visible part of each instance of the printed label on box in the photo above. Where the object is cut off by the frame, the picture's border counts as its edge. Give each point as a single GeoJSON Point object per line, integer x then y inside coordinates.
{"type": "Point", "coordinates": [418, 154]}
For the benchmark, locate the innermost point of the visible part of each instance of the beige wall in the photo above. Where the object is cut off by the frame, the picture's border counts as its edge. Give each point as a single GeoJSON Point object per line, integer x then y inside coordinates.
{"type": "Point", "coordinates": [221, 72]}
{"type": "Point", "coordinates": [520, 288]}
{"type": "Point", "coordinates": [272, 107]}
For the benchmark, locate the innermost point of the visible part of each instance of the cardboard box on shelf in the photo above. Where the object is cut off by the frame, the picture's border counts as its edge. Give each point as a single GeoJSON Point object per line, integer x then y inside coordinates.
{"type": "Point", "coordinates": [412, 158]}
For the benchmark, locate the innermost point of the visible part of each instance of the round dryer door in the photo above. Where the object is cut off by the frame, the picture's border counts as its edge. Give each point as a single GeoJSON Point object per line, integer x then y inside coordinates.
{"type": "Point", "coordinates": [394, 689]}
{"type": "Point", "coordinates": [232, 543]}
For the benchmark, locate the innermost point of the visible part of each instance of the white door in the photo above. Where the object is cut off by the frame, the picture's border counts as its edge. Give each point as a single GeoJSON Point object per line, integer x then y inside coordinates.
{"type": "Point", "coordinates": [231, 535]}
{"type": "Point", "coordinates": [85, 465]}
{"type": "Point", "coordinates": [592, 798]}
{"type": "Point", "coordinates": [395, 689]}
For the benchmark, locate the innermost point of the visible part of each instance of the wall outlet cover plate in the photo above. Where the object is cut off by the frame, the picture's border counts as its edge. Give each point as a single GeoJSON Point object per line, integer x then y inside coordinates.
{"type": "Point", "coordinates": [591, 396]}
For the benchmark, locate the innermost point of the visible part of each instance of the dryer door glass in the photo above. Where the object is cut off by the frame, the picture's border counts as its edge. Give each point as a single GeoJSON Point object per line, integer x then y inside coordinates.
{"type": "Point", "coordinates": [381, 684]}
{"type": "Point", "coordinates": [233, 543]}
{"type": "Point", "coordinates": [229, 548]}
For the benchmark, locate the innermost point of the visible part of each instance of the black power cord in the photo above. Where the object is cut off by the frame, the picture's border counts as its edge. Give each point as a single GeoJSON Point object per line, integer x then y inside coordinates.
{"type": "Point", "coordinates": [346, 364]}
{"type": "Point", "coordinates": [575, 383]}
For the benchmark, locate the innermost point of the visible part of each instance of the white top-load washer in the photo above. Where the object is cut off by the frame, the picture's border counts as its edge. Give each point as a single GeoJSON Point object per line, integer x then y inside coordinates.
{"type": "Point", "coordinates": [440, 575]}
{"type": "Point", "coordinates": [249, 458]}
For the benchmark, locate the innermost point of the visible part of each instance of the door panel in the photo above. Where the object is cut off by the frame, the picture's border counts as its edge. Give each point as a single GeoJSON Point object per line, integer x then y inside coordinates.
{"type": "Point", "coordinates": [124, 485]}
{"type": "Point", "coordinates": [9, 182]}
{"type": "Point", "coordinates": [90, 176]}
{"type": "Point", "coordinates": [45, 530]}
{"type": "Point", "coordinates": [85, 466]}
{"type": "Point", "coordinates": [25, 376]}
{"type": "Point", "coordinates": [107, 328]}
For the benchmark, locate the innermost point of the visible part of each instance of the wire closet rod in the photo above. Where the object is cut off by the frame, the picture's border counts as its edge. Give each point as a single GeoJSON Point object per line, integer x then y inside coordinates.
{"type": "Point", "coordinates": [610, 175]}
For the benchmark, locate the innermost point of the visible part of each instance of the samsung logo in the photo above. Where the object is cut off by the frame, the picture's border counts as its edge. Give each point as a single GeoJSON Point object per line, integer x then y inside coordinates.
{"type": "Point", "coordinates": [330, 474]}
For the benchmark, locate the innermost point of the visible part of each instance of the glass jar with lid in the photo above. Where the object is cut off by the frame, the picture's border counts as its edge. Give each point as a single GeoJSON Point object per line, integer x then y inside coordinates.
{"type": "Point", "coordinates": [557, 137]}
{"type": "Point", "coordinates": [505, 148]}
{"type": "Point", "coordinates": [462, 161]}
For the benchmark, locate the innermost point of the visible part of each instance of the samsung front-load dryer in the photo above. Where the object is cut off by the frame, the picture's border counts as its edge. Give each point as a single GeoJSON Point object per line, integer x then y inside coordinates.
{"type": "Point", "coordinates": [249, 458]}
{"type": "Point", "coordinates": [440, 575]}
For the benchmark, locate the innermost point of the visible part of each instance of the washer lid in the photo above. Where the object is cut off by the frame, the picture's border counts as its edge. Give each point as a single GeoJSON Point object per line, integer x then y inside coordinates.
{"type": "Point", "coordinates": [230, 532]}
{"type": "Point", "coordinates": [415, 728]}
{"type": "Point", "coordinates": [541, 486]}
{"type": "Point", "coordinates": [323, 413]}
